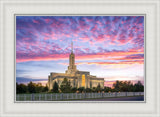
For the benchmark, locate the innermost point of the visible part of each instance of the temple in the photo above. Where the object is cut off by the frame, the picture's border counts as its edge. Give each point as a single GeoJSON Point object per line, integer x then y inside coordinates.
{"type": "Point", "coordinates": [76, 77]}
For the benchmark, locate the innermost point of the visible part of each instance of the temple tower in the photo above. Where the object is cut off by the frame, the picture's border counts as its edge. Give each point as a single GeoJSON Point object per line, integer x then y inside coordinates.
{"type": "Point", "coordinates": [72, 67]}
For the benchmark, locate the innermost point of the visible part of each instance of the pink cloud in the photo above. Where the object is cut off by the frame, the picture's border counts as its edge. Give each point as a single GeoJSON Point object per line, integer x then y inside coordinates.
{"type": "Point", "coordinates": [35, 21]}
{"type": "Point", "coordinates": [84, 39]}
{"type": "Point", "coordinates": [100, 38]}
{"type": "Point", "coordinates": [47, 20]}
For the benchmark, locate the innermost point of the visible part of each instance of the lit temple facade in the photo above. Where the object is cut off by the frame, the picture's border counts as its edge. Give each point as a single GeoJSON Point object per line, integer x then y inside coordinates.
{"type": "Point", "coordinates": [77, 78]}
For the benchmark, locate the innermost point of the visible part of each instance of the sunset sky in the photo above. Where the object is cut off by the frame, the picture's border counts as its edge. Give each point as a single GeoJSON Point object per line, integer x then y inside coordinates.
{"type": "Point", "coordinates": [111, 47]}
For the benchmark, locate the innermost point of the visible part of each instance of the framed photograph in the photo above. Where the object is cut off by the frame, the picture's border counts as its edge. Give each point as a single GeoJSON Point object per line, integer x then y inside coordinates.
{"type": "Point", "coordinates": [112, 45]}
{"type": "Point", "coordinates": [80, 58]}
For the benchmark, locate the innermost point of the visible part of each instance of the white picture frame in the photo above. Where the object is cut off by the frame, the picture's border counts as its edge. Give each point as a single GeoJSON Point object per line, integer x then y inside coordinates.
{"type": "Point", "coordinates": [150, 8]}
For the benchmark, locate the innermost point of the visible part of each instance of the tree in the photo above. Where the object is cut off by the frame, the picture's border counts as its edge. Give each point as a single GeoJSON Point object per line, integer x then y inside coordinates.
{"type": "Point", "coordinates": [139, 87]}
{"type": "Point", "coordinates": [81, 89]}
{"type": "Point", "coordinates": [88, 90]}
{"type": "Point", "coordinates": [107, 89]}
{"type": "Point", "coordinates": [94, 89]}
{"type": "Point", "coordinates": [38, 87]}
{"type": "Point", "coordinates": [130, 86]}
{"type": "Point", "coordinates": [65, 86]}
{"type": "Point", "coordinates": [45, 89]}
{"type": "Point", "coordinates": [98, 88]}
{"type": "Point", "coordinates": [31, 87]}
{"type": "Point", "coordinates": [21, 88]}
{"type": "Point", "coordinates": [74, 89]}
{"type": "Point", "coordinates": [116, 86]}
{"type": "Point", "coordinates": [127, 86]}
{"type": "Point", "coordinates": [124, 86]}
{"type": "Point", "coordinates": [55, 87]}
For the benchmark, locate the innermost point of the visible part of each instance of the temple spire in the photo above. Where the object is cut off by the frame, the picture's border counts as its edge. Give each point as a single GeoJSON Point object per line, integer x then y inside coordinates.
{"type": "Point", "coordinates": [71, 47]}
{"type": "Point", "coordinates": [72, 67]}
